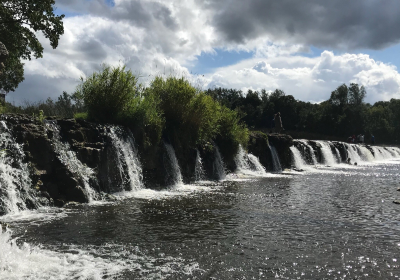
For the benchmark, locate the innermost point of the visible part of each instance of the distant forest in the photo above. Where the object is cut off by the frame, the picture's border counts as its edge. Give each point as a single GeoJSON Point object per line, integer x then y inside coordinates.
{"type": "Point", "coordinates": [343, 115]}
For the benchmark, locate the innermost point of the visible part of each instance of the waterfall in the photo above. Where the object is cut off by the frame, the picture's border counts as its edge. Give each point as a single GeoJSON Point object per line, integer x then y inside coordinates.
{"type": "Point", "coordinates": [392, 153]}
{"type": "Point", "coordinates": [366, 154]}
{"type": "Point", "coordinates": [352, 153]}
{"type": "Point", "coordinates": [381, 153]}
{"type": "Point", "coordinates": [127, 160]}
{"type": "Point", "coordinates": [337, 153]}
{"type": "Point", "coordinates": [69, 159]}
{"type": "Point", "coordinates": [198, 170]}
{"type": "Point", "coordinates": [173, 166]}
{"type": "Point", "coordinates": [15, 183]}
{"type": "Point", "coordinates": [248, 163]}
{"type": "Point", "coordinates": [218, 165]}
{"type": "Point", "coordinates": [259, 168]}
{"type": "Point", "coordinates": [308, 146]}
{"type": "Point", "coordinates": [298, 161]}
{"type": "Point", "coordinates": [326, 152]}
{"type": "Point", "coordinates": [275, 159]}
{"type": "Point", "coordinates": [241, 160]}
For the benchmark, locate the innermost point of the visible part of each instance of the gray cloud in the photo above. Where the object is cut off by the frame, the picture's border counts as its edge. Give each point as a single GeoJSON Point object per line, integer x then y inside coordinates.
{"type": "Point", "coordinates": [338, 24]}
{"type": "Point", "coordinates": [139, 13]}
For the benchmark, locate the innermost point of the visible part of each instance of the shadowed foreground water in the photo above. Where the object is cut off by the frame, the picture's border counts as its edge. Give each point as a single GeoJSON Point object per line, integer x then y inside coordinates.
{"type": "Point", "coordinates": [338, 224]}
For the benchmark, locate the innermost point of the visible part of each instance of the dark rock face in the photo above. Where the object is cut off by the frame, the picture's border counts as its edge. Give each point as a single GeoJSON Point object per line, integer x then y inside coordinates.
{"type": "Point", "coordinates": [258, 146]}
{"type": "Point", "coordinates": [55, 183]}
{"type": "Point", "coordinates": [282, 143]}
{"type": "Point", "coordinates": [342, 150]}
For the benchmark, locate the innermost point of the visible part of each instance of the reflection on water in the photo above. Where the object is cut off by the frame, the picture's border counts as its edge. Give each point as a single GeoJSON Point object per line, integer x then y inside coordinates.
{"type": "Point", "coordinates": [334, 225]}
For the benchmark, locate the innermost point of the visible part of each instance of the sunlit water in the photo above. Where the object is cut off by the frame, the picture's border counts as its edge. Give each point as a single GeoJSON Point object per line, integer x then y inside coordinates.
{"type": "Point", "coordinates": [332, 223]}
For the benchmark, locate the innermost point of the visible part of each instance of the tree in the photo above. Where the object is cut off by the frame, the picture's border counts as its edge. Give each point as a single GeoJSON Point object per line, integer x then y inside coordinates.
{"type": "Point", "coordinates": [339, 96]}
{"type": "Point", "coordinates": [356, 94]}
{"type": "Point", "coordinates": [19, 22]}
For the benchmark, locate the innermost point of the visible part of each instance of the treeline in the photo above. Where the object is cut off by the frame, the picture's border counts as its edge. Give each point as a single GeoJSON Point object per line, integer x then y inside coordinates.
{"type": "Point", "coordinates": [176, 110]}
{"type": "Point", "coordinates": [345, 113]}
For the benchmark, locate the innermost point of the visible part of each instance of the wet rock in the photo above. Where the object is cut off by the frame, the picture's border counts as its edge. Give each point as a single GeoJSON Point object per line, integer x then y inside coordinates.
{"type": "Point", "coordinates": [282, 143]}
{"type": "Point", "coordinates": [59, 203]}
{"type": "Point", "coordinates": [258, 146]}
{"type": "Point", "coordinates": [4, 226]}
{"type": "Point", "coordinates": [396, 201]}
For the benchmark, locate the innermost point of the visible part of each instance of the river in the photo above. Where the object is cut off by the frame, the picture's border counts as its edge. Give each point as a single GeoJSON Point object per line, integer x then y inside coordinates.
{"type": "Point", "coordinates": [336, 222]}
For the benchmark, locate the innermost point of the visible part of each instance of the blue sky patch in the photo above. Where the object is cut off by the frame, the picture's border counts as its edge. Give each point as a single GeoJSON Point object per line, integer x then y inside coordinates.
{"type": "Point", "coordinates": [221, 58]}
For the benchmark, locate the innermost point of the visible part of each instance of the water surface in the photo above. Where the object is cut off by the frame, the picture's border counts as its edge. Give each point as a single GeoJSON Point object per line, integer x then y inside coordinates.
{"type": "Point", "coordinates": [333, 223]}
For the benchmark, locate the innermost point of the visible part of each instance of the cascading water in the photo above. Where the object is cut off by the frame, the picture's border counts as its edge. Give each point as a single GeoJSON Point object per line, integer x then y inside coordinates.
{"type": "Point", "coordinates": [337, 153]}
{"type": "Point", "coordinates": [298, 161]}
{"type": "Point", "coordinates": [380, 153]}
{"type": "Point", "coordinates": [248, 163]}
{"type": "Point", "coordinates": [392, 153]}
{"type": "Point", "coordinates": [313, 157]}
{"type": "Point", "coordinates": [69, 159]}
{"type": "Point", "coordinates": [352, 153]}
{"type": "Point", "coordinates": [326, 152]}
{"type": "Point", "coordinates": [127, 160]}
{"type": "Point", "coordinates": [199, 172]}
{"type": "Point", "coordinates": [275, 159]}
{"type": "Point", "coordinates": [241, 160]}
{"type": "Point", "coordinates": [259, 168]}
{"type": "Point", "coordinates": [366, 154]}
{"type": "Point", "coordinates": [331, 154]}
{"type": "Point", "coordinates": [173, 166]}
{"type": "Point", "coordinates": [15, 183]}
{"type": "Point", "coordinates": [218, 165]}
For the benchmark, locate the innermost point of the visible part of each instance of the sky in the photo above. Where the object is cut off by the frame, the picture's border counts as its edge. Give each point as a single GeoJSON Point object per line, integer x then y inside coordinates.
{"type": "Point", "coordinates": [306, 48]}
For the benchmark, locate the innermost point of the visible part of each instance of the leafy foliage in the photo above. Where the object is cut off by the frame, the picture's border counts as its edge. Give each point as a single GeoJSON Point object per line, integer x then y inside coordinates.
{"type": "Point", "coordinates": [108, 93]}
{"type": "Point", "coordinates": [19, 20]}
{"type": "Point", "coordinates": [344, 114]}
{"type": "Point", "coordinates": [193, 117]}
{"type": "Point", "coordinates": [113, 95]}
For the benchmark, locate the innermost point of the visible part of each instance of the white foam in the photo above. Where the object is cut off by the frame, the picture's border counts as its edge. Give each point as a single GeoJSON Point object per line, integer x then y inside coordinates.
{"type": "Point", "coordinates": [39, 216]}
{"type": "Point", "coordinates": [31, 262]}
{"type": "Point", "coordinates": [248, 165]}
{"type": "Point", "coordinates": [173, 191]}
{"type": "Point", "coordinates": [23, 261]}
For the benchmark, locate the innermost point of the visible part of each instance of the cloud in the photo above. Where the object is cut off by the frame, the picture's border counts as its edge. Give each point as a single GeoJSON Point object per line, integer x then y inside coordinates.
{"type": "Point", "coordinates": [167, 37]}
{"type": "Point", "coordinates": [312, 79]}
{"type": "Point", "coordinates": [337, 24]}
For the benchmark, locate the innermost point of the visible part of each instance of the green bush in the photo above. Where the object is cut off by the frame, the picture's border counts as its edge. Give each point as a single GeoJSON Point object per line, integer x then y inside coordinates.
{"type": "Point", "coordinates": [172, 106]}
{"type": "Point", "coordinates": [193, 117]}
{"type": "Point", "coordinates": [189, 113]}
{"type": "Point", "coordinates": [232, 132]}
{"type": "Point", "coordinates": [113, 95]}
{"type": "Point", "coordinates": [108, 93]}
{"type": "Point", "coordinates": [81, 116]}
{"type": "Point", "coordinates": [144, 118]}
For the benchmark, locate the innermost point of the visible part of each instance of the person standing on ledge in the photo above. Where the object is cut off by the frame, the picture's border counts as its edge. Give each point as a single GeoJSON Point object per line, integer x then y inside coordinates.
{"type": "Point", "coordinates": [278, 122]}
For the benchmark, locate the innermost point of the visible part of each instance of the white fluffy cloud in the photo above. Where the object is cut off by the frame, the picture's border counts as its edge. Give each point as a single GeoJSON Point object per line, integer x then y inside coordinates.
{"type": "Point", "coordinates": [312, 79]}
{"type": "Point", "coordinates": [157, 37]}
